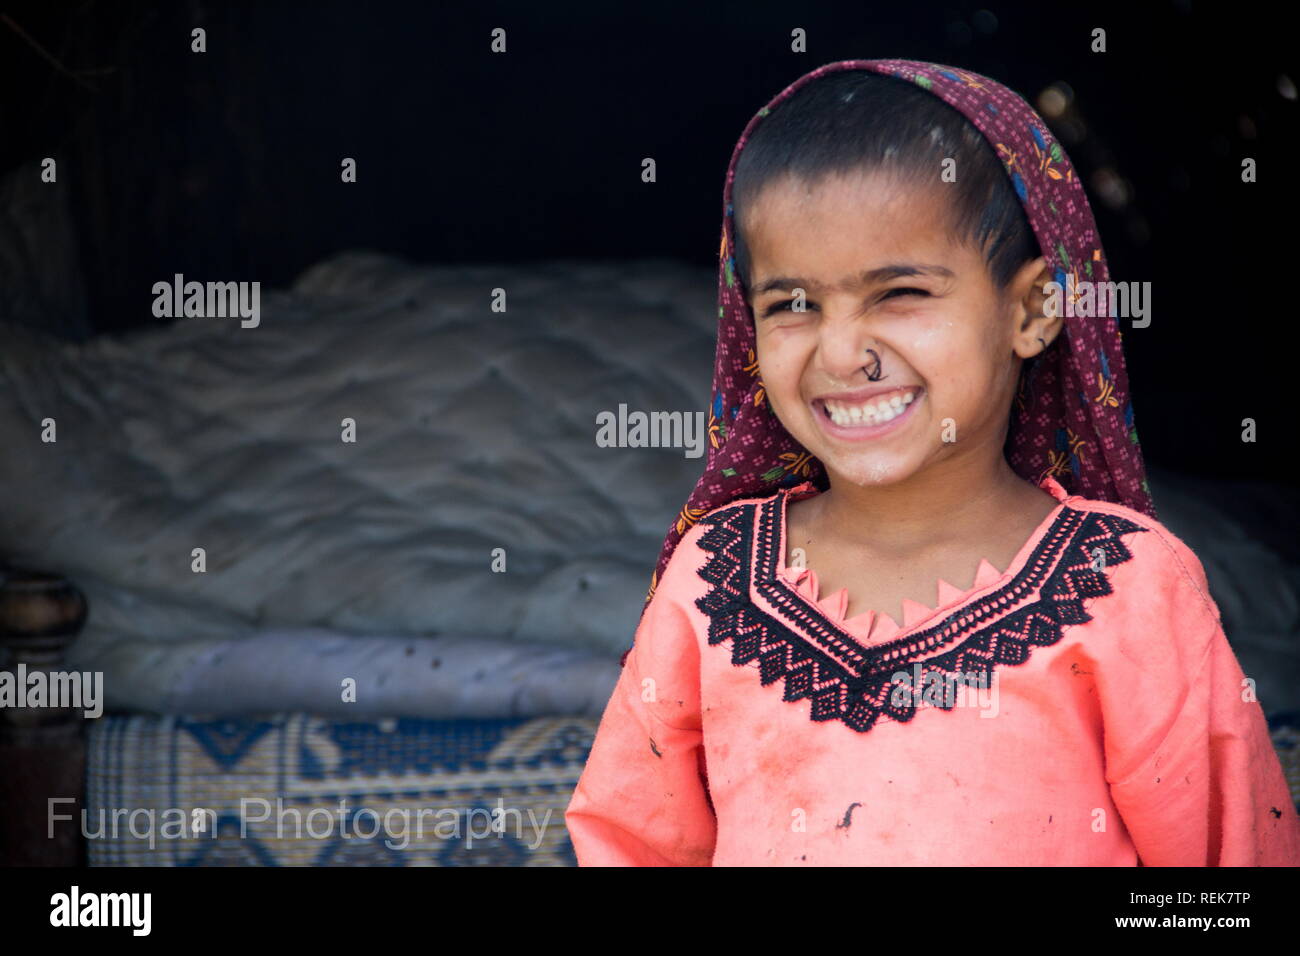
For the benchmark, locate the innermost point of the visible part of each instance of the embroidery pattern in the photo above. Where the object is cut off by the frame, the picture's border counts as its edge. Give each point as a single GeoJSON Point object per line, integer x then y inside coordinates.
{"type": "Point", "coordinates": [844, 680]}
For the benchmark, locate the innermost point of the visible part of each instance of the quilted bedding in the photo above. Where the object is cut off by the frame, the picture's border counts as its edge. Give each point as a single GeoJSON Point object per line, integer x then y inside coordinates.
{"type": "Point", "coordinates": [475, 431]}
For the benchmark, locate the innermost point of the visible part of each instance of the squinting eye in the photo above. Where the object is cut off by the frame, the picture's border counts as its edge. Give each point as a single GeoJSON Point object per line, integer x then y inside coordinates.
{"type": "Point", "coordinates": [783, 307]}
{"type": "Point", "coordinates": [904, 291]}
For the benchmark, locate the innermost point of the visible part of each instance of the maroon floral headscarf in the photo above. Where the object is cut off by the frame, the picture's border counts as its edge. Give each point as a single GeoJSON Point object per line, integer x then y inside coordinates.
{"type": "Point", "coordinates": [1072, 417]}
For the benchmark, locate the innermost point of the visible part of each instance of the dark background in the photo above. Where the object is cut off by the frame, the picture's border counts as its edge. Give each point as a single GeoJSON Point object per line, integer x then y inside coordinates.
{"type": "Point", "coordinates": [226, 164]}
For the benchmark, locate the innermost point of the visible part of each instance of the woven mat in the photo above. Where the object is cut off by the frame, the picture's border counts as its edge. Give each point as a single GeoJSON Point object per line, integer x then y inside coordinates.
{"type": "Point", "coordinates": [295, 790]}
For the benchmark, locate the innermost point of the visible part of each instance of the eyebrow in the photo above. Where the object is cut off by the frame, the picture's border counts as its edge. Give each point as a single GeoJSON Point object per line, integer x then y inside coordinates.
{"type": "Point", "coordinates": [871, 276]}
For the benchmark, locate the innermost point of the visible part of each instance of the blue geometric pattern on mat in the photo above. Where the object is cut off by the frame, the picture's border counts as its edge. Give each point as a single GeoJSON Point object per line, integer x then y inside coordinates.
{"type": "Point", "coordinates": [502, 850]}
{"type": "Point", "coordinates": [229, 848]}
{"type": "Point", "coordinates": [226, 741]}
{"type": "Point", "coordinates": [354, 852]}
{"type": "Point", "coordinates": [573, 744]}
{"type": "Point", "coordinates": [410, 745]}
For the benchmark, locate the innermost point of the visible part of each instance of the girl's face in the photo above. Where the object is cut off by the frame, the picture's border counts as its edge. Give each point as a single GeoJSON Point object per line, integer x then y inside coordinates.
{"type": "Point", "coordinates": [881, 272]}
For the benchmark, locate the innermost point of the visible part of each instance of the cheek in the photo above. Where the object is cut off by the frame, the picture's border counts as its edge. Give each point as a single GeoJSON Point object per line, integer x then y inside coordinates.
{"type": "Point", "coordinates": [956, 357]}
{"type": "Point", "coordinates": [933, 340]}
{"type": "Point", "coordinates": [940, 347]}
{"type": "Point", "coordinates": [781, 358]}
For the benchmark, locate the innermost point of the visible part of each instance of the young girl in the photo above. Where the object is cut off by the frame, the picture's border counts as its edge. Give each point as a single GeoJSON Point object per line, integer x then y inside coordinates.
{"type": "Point", "coordinates": [919, 609]}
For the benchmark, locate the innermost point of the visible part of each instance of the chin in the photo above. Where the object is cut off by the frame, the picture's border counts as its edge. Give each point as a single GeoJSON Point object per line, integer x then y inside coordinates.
{"type": "Point", "coordinates": [869, 472]}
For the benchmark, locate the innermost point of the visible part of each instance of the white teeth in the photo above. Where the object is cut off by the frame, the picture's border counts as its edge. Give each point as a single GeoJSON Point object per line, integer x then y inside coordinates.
{"type": "Point", "coordinates": [870, 413]}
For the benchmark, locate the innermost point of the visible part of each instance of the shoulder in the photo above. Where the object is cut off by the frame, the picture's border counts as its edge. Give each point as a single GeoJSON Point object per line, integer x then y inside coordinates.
{"type": "Point", "coordinates": [708, 535]}
{"type": "Point", "coordinates": [748, 501]}
{"type": "Point", "coordinates": [1158, 550]}
{"type": "Point", "coordinates": [721, 515]}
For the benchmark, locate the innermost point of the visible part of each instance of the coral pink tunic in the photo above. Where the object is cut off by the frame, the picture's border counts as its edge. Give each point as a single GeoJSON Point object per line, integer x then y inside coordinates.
{"type": "Point", "coordinates": [1081, 708]}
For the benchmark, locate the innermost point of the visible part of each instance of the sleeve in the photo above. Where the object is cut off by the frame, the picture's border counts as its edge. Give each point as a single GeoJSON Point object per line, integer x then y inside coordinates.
{"type": "Point", "coordinates": [642, 799]}
{"type": "Point", "coordinates": [1190, 762]}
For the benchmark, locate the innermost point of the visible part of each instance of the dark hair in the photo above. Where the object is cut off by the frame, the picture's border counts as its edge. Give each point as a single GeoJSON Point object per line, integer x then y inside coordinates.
{"type": "Point", "coordinates": [858, 120]}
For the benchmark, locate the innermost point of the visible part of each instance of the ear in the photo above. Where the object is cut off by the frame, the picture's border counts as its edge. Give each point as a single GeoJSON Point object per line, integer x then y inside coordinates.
{"type": "Point", "coordinates": [1034, 328]}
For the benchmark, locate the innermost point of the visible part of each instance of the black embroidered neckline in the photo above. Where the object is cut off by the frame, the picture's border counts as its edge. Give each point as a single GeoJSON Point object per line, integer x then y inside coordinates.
{"type": "Point", "coordinates": [768, 582]}
{"type": "Point", "coordinates": [846, 680]}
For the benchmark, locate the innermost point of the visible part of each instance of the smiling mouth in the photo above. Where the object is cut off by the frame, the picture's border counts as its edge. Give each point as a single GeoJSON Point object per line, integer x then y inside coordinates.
{"type": "Point", "coordinates": [877, 410]}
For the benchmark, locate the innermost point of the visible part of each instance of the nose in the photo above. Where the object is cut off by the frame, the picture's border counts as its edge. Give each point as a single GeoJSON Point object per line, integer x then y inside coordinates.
{"type": "Point", "coordinates": [849, 352]}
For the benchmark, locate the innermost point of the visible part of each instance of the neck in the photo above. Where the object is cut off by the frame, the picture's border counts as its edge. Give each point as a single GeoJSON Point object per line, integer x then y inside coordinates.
{"type": "Point", "coordinates": [948, 502]}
